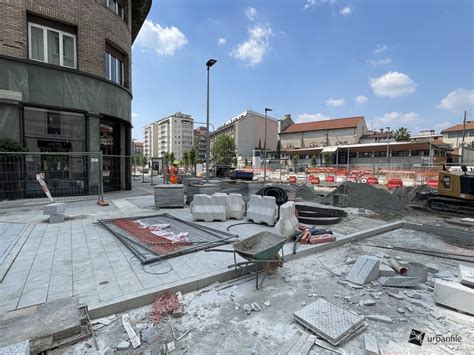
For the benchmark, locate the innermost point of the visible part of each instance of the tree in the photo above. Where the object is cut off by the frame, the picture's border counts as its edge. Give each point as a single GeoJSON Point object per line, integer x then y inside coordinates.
{"type": "Point", "coordinates": [223, 150]}
{"type": "Point", "coordinates": [171, 156]}
{"type": "Point", "coordinates": [314, 160]}
{"type": "Point", "coordinates": [167, 158]}
{"type": "Point", "coordinates": [294, 160]}
{"type": "Point", "coordinates": [185, 160]}
{"type": "Point", "coordinates": [402, 134]}
{"type": "Point", "coordinates": [192, 158]}
{"type": "Point", "coordinates": [327, 158]}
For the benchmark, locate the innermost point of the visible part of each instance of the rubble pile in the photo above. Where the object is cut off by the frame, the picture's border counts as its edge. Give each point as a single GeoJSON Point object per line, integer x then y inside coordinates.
{"type": "Point", "coordinates": [368, 197]}
{"type": "Point", "coordinates": [408, 193]}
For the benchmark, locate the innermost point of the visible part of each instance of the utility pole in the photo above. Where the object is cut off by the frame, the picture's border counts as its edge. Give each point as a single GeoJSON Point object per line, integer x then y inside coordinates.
{"type": "Point", "coordinates": [463, 137]}
{"type": "Point", "coordinates": [388, 142]}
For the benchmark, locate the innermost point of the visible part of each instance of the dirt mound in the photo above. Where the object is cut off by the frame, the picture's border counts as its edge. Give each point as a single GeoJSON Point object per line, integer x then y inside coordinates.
{"type": "Point", "coordinates": [408, 193]}
{"type": "Point", "coordinates": [378, 200]}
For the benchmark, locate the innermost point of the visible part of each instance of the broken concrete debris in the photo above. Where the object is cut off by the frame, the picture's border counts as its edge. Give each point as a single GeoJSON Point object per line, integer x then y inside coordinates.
{"type": "Point", "coordinates": [399, 281]}
{"type": "Point", "coordinates": [370, 345]}
{"type": "Point", "coordinates": [400, 310]}
{"type": "Point", "coordinates": [418, 270]}
{"type": "Point", "coordinates": [134, 338]}
{"type": "Point", "coordinates": [379, 318]}
{"type": "Point", "coordinates": [466, 275]}
{"type": "Point", "coordinates": [386, 270]}
{"type": "Point", "coordinates": [398, 267]}
{"type": "Point", "coordinates": [369, 302]}
{"type": "Point", "coordinates": [178, 312]}
{"type": "Point", "coordinates": [432, 268]}
{"type": "Point", "coordinates": [267, 303]}
{"type": "Point", "coordinates": [445, 275]}
{"type": "Point", "coordinates": [364, 270]}
{"type": "Point", "coordinates": [123, 345]}
{"type": "Point", "coordinates": [256, 307]}
{"type": "Point", "coordinates": [150, 335]}
{"type": "Point", "coordinates": [454, 295]}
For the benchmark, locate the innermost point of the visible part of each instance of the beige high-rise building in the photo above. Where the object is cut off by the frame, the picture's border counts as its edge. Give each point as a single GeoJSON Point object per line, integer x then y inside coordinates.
{"type": "Point", "coordinates": [172, 134]}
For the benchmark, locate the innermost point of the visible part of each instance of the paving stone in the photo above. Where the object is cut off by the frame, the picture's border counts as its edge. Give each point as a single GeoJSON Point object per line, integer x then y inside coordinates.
{"type": "Point", "coordinates": [56, 218]}
{"type": "Point", "coordinates": [386, 271]}
{"type": "Point", "coordinates": [123, 345]}
{"type": "Point", "coordinates": [401, 281]}
{"type": "Point", "coordinates": [364, 270]}
{"type": "Point", "coordinates": [20, 348]}
{"type": "Point", "coordinates": [379, 318]}
{"type": "Point", "coordinates": [466, 275]}
{"type": "Point", "coordinates": [454, 295]}
{"type": "Point", "coordinates": [370, 345]}
{"type": "Point", "coordinates": [150, 335]}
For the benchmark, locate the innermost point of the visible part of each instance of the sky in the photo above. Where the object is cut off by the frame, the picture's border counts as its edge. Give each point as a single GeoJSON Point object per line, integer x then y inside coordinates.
{"type": "Point", "coordinates": [396, 62]}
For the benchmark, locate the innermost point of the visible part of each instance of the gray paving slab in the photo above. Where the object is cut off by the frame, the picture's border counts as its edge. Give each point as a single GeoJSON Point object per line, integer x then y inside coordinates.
{"type": "Point", "coordinates": [9, 235]}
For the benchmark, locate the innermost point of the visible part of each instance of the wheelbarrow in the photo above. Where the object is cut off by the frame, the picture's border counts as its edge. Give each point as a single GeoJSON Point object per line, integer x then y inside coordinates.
{"type": "Point", "coordinates": [261, 248]}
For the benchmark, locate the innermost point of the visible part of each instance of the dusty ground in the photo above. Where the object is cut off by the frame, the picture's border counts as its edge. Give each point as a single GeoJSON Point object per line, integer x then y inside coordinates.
{"type": "Point", "coordinates": [219, 324]}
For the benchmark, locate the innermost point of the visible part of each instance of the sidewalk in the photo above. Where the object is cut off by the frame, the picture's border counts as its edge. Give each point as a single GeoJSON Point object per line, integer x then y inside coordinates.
{"type": "Point", "coordinates": [81, 258]}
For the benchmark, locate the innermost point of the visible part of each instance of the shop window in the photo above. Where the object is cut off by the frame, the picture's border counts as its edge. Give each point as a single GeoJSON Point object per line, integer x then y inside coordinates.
{"type": "Point", "coordinates": [51, 45]}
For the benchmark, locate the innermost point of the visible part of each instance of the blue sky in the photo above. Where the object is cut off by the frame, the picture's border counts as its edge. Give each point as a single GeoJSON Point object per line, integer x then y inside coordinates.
{"type": "Point", "coordinates": [397, 63]}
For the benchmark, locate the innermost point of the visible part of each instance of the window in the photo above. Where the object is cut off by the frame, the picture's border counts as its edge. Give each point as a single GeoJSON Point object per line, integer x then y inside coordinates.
{"type": "Point", "coordinates": [113, 68]}
{"type": "Point", "coordinates": [52, 46]}
{"type": "Point", "coordinates": [115, 6]}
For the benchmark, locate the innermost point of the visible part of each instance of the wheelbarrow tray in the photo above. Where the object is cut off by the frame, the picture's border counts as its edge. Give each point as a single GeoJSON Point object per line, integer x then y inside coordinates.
{"type": "Point", "coordinates": [261, 246]}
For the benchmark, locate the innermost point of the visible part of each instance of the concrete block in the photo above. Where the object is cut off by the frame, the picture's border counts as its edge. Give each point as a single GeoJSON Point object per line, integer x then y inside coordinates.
{"type": "Point", "coordinates": [288, 223]}
{"type": "Point", "coordinates": [54, 208]}
{"type": "Point", "coordinates": [364, 270]}
{"type": "Point", "coordinates": [399, 281]}
{"type": "Point", "coordinates": [20, 348]}
{"type": "Point", "coordinates": [466, 275]}
{"type": "Point", "coordinates": [454, 295]}
{"type": "Point", "coordinates": [386, 271]}
{"type": "Point", "coordinates": [262, 209]}
{"type": "Point", "coordinates": [208, 208]}
{"type": "Point", "coordinates": [432, 268]}
{"type": "Point", "coordinates": [379, 318]}
{"type": "Point", "coordinates": [234, 204]}
{"type": "Point", "coordinates": [56, 218]}
{"type": "Point", "coordinates": [370, 345]}
{"type": "Point", "coordinates": [418, 270]}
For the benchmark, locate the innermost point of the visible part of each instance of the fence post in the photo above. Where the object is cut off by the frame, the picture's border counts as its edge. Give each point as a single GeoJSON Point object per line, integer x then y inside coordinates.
{"type": "Point", "coordinates": [101, 177]}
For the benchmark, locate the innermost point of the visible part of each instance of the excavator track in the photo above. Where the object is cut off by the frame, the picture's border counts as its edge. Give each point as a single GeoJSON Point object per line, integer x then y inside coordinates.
{"type": "Point", "coordinates": [450, 205]}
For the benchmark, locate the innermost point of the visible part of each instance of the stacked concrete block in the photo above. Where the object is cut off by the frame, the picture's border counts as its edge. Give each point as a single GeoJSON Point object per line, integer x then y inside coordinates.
{"type": "Point", "coordinates": [262, 209]}
{"type": "Point", "coordinates": [454, 295]}
{"type": "Point", "coordinates": [55, 211]}
{"type": "Point", "coordinates": [235, 206]}
{"type": "Point", "coordinates": [466, 275]}
{"type": "Point", "coordinates": [288, 223]}
{"type": "Point", "coordinates": [365, 269]}
{"type": "Point", "coordinates": [208, 208]}
{"type": "Point", "coordinates": [169, 195]}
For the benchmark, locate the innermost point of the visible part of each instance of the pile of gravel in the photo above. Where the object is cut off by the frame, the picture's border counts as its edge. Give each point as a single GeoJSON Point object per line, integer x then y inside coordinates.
{"type": "Point", "coordinates": [408, 193]}
{"type": "Point", "coordinates": [378, 200]}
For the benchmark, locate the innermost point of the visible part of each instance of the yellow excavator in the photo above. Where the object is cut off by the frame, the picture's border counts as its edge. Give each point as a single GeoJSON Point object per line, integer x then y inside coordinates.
{"type": "Point", "coordinates": [455, 193]}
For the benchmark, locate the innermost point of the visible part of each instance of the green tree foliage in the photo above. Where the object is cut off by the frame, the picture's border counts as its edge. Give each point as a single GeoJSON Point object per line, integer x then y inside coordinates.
{"type": "Point", "coordinates": [278, 150]}
{"type": "Point", "coordinates": [172, 158]}
{"type": "Point", "coordinates": [295, 160]}
{"type": "Point", "coordinates": [185, 159]}
{"type": "Point", "coordinates": [223, 150]}
{"type": "Point", "coordinates": [402, 134]}
{"type": "Point", "coordinates": [327, 158]}
{"type": "Point", "coordinates": [314, 160]}
{"type": "Point", "coordinates": [192, 158]}
{"type": "Point", "coordinates": [10, 145]}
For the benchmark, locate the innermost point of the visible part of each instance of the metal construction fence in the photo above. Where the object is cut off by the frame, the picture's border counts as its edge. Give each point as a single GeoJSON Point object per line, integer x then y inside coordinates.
{"type": "Point", "coordinates": [66, 175]}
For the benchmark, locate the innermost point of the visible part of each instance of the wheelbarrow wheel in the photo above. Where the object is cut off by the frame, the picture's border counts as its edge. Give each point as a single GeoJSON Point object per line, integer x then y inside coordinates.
{"type": "Point", "coordinates": [273, 267]}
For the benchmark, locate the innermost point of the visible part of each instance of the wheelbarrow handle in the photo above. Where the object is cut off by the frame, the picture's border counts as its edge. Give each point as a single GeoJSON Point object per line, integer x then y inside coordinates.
{"type": "Point", "coordinates": [219, 250]}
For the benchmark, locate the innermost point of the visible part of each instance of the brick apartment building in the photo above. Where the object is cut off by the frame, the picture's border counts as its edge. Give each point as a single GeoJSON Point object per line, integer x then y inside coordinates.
{"type": "Point", "coordinates": [65, 83]}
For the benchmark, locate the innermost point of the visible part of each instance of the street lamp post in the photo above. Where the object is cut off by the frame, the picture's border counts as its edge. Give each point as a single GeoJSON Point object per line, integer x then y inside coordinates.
{"type": "Point", "coordinates": [388, 142]}
{"type": "Point", "coordinates": [430, 163]}
{"type": "Point", "coordinates": [265, 148]}
{"type": "Point", "coordinates": [209, 64]}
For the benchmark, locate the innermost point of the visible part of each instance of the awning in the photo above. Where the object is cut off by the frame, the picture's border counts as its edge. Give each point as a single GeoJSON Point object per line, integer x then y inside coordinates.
{"type": "Point", "coordinates": [329, 149]}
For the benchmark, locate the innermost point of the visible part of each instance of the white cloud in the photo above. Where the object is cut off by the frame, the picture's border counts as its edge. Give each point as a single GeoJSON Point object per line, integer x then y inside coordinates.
{"type": "Point", "coordinates": [312, 3]}
{"type": "Point", "coordinates": [381, 61]}
{"type": "Point", "coordinates": [221, 41]}
{"type": "Point", "coordinates": [255, 47]}
{"type": "Point", "coordinates": [251, 13]}
{"type": "Point", "coordinates": [135, 115]}
{"type": "Point", "coordinates": [457, 101]}
{"type": "Point", "coordinates": [380, 48]}
{"type": "Point", "coordinates": [398, 118]}
{"type": "Point", "coordinates": [163, 41]}
{"type": "Point", "coordinates": [361, 99]}
{"type": "Point", "coordinates": [309, 117]}
{"type": "Point", "coordinates": [442, 125]}
{"type": "Point", "coordinates": [335, 102]}
{"type": "Point", "coordinates": [392, 84]}
{"type": "Point", "coordinates": [346, 10]}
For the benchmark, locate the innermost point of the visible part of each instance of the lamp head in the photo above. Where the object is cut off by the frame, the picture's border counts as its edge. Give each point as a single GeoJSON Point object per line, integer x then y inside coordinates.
{"type": "Point", "coordinates": [210, 63]}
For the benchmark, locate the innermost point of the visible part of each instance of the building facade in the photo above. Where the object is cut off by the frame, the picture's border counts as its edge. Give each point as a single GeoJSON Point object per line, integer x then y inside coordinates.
{"type": "Point", "coordinates": [323, 133]}
{"type": "Point", "coordinates": [65, 82]}
{"type": "Point", "coordinates": [248, 131]}
{"type": "Point", "coordinates": [137, 147]}
{"type": "Point", "coordinates": [453, 135]}
{"type": "Point", "coordinates": [200, 136]}
{"type": "Point", "coordinates": [172, 134]}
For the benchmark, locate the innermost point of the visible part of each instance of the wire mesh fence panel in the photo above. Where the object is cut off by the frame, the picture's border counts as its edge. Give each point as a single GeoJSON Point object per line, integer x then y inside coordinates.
{"type": "Point", "coordinates": [152, 238]}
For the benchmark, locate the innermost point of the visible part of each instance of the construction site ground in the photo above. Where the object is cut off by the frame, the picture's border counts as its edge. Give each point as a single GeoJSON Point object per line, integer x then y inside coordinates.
{"type": "Point", "coordinates": [79, 257]}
